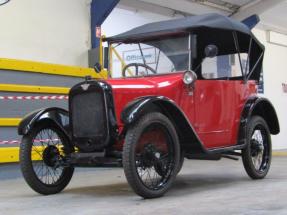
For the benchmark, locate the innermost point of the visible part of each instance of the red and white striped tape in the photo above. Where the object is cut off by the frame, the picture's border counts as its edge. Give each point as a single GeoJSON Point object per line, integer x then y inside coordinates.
{"type": "Point", "coordinates": [7, 142]}
{"type": "Point", "coordinates": [60, 97]}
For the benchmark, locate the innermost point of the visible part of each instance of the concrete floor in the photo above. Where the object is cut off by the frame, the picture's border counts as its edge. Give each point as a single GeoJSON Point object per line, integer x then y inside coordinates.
{"type": "Point", "coordinates": [202, 187]}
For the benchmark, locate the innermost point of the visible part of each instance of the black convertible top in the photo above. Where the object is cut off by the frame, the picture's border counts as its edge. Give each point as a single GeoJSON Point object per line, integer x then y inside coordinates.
{"type": "Point", "coordinates": [181, 26]}
{"type": "Point", "coordinates": [229, 35]}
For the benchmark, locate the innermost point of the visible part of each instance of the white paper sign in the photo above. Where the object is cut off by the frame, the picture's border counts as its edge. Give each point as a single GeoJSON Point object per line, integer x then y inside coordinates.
{"type": "Point", "coordinates": [135, 56]}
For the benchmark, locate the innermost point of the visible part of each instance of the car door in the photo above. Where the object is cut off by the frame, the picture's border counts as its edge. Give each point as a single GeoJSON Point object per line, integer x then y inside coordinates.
{"type": "Point", "coordinates": [215, 104]}
{"type": "Point", "coordinates": [218, 102]}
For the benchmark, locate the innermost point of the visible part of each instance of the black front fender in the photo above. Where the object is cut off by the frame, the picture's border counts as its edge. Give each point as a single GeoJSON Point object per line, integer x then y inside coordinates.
{"type": "Point", "coordinates": [55, 115]}
{"type": "Point", "coordinates": [137, 107]}
{"type": "Point", "coordinates": [188, 137]}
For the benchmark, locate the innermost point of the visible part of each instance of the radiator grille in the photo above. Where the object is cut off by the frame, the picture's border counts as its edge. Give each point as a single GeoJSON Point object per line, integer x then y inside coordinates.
{"type": "Point", "coordinates": [88, 114]}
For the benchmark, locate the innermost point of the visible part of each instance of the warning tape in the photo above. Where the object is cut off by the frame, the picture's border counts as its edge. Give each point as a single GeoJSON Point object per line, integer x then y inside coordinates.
{"type": "Point", "coordinates": [7, 142]}
{"type": "Point", "coordinates": [61, 97]}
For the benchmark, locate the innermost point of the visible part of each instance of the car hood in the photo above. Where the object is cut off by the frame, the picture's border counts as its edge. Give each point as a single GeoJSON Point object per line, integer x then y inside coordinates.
{"type": "Point", "coordinates": [126, 90]}
{"type": "Point", "coordinates": [131, 83]}
{"type": "Point", "coordinates": [148, 83]}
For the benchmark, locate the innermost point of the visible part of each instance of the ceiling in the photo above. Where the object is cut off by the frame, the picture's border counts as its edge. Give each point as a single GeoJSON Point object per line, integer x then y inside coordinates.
{"type": "Point", "coordinates": [228, 5]}
{"type": "Point", "coordinates": [272, 12]}
{"type": "Point", "coordinates": [276, 18]}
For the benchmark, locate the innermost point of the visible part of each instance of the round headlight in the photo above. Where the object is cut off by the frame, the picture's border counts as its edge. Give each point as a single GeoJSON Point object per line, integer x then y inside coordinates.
{"type": "Point", "coordinates": [189, 77]}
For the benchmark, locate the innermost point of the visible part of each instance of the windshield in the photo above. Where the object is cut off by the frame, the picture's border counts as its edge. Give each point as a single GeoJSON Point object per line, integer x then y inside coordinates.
{"type": "Point", "coordinates": [152, 57]}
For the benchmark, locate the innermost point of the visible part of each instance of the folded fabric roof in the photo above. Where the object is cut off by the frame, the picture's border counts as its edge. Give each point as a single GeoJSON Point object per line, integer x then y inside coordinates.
{"type": "Point", "coordinates": [180, 26]}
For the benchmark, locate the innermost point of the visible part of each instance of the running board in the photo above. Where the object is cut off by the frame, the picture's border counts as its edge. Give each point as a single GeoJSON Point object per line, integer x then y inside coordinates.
{"type": "Point", "coordinates": [213, 157]}
{"type": "Point", "coordinates": [225, 150]}
{"type": "Point", "coordinates": [230, 157]}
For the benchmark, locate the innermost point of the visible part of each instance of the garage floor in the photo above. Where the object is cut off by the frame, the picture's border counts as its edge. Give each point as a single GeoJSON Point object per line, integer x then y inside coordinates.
{"type": "Point", "coordinates": [203, 187]}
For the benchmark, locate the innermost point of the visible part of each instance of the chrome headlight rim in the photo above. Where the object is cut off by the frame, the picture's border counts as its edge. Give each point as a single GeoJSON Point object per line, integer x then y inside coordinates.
{"type": "Point", "coordinates": [189, 77]}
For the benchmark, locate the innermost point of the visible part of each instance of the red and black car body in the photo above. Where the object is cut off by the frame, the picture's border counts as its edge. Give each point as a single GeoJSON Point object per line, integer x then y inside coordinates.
{"type": "Point", "coordinates": [205, 118]}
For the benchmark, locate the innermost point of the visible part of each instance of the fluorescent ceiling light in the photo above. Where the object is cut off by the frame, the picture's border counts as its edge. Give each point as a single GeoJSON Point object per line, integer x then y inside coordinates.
{"type": "Point", "coordinates": [277, 38]}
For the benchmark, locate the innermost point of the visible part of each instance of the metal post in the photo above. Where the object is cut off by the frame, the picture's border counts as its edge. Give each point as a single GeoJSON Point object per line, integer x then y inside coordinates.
{"type": "Point", "coordinates": [189, 52]}
{"type": "Point", "coordinates": [192, 49]}
{"type": "Point", "coordinates": [110, 68]}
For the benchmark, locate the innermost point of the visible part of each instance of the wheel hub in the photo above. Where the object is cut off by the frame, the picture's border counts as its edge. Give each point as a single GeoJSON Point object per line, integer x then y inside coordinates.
{"type": "Point", "coordinates": [51, 155]}
{"type": "Point", "coordinates": [150, 155]}
{"type": "Point", "coordinates": [256, 147]}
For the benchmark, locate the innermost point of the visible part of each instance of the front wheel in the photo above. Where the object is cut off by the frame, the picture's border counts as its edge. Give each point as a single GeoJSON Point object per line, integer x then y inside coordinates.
{"type": "Point", "coordinates": [42, 154]}
{"type": "Point", "coordinates": [181, 161]}
{"type": "Point", "coordinates": [151, 155]}
{"type": "Point", "coordinates": [257, 155]}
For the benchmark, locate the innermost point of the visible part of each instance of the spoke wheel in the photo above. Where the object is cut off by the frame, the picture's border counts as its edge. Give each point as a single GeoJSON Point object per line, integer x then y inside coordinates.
{"type": "Point", "coordinates": [42, 158]}
{"type": "Point", "coordinates": [257, 156]}
{"type": "Point", "coordinates": [151, 155]}
{"type": "Point", "coordinates": [154, 157]}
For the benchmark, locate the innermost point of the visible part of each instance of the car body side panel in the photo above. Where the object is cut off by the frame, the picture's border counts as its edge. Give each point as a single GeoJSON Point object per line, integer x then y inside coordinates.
{"type": "Point", "coordinates": [218, 107]}
{"type": "Point", "coordinates": [211, 107]}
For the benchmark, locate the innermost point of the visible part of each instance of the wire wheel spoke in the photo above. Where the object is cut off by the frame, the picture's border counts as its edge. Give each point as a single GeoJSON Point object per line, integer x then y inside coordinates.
{"type": "Point", "coordinates": [154, 154]}
{"type": "Point", "coordinates": [259, 149]}
{"type": "Point", "coordinates": [46, 153]}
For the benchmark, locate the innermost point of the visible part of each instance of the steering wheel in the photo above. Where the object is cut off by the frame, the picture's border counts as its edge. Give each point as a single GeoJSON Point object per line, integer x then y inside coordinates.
{"type": "Point", "coordinates": [137, 65]}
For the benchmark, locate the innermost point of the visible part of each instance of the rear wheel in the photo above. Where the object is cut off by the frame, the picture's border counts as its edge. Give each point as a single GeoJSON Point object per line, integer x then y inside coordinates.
{"type": "Point", "coordinates": [257, 155]}
{"type": "Point", "coordinates": [42, 154]}
{"type": "Point", "coordinates": [151, 155]}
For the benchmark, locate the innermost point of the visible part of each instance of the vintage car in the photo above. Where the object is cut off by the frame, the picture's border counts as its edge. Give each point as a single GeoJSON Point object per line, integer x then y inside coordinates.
{"type": "Point", "coordinates": [187, 89]}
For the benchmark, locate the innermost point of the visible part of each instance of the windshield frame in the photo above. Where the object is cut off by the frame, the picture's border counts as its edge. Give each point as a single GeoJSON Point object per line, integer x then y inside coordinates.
{"type": "Point", "coordinates": [191, 49]}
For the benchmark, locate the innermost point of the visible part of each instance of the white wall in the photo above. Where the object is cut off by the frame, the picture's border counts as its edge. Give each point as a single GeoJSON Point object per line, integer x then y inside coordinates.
{"type": "Point", "coordinates": [50, 31]}
{"type": "Point", "coordinates": [275, 73]}
{"type": "Point", "coordinates": [121, 20]}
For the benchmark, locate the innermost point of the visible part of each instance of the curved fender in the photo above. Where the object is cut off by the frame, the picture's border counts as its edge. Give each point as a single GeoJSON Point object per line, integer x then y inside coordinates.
{"type": "Point", "coordinates": [187, 134]}
{"type": "Point", "coordinates": [58, 116]}
{"type": "Point", "coordinates": [262, 107]}
{"type": "Point", "coordinates": [135, 108]}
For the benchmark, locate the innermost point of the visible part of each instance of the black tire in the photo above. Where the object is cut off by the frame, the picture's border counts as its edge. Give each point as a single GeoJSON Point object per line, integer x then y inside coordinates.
{"type": "Point", "coordinates": [151, 154]}
{"type": "Point", "coordinates": [257, 155]}
{"type": "Point", "coordinates": [181, 161]}
{"type": "Point", "coordinates": [31, 169]}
